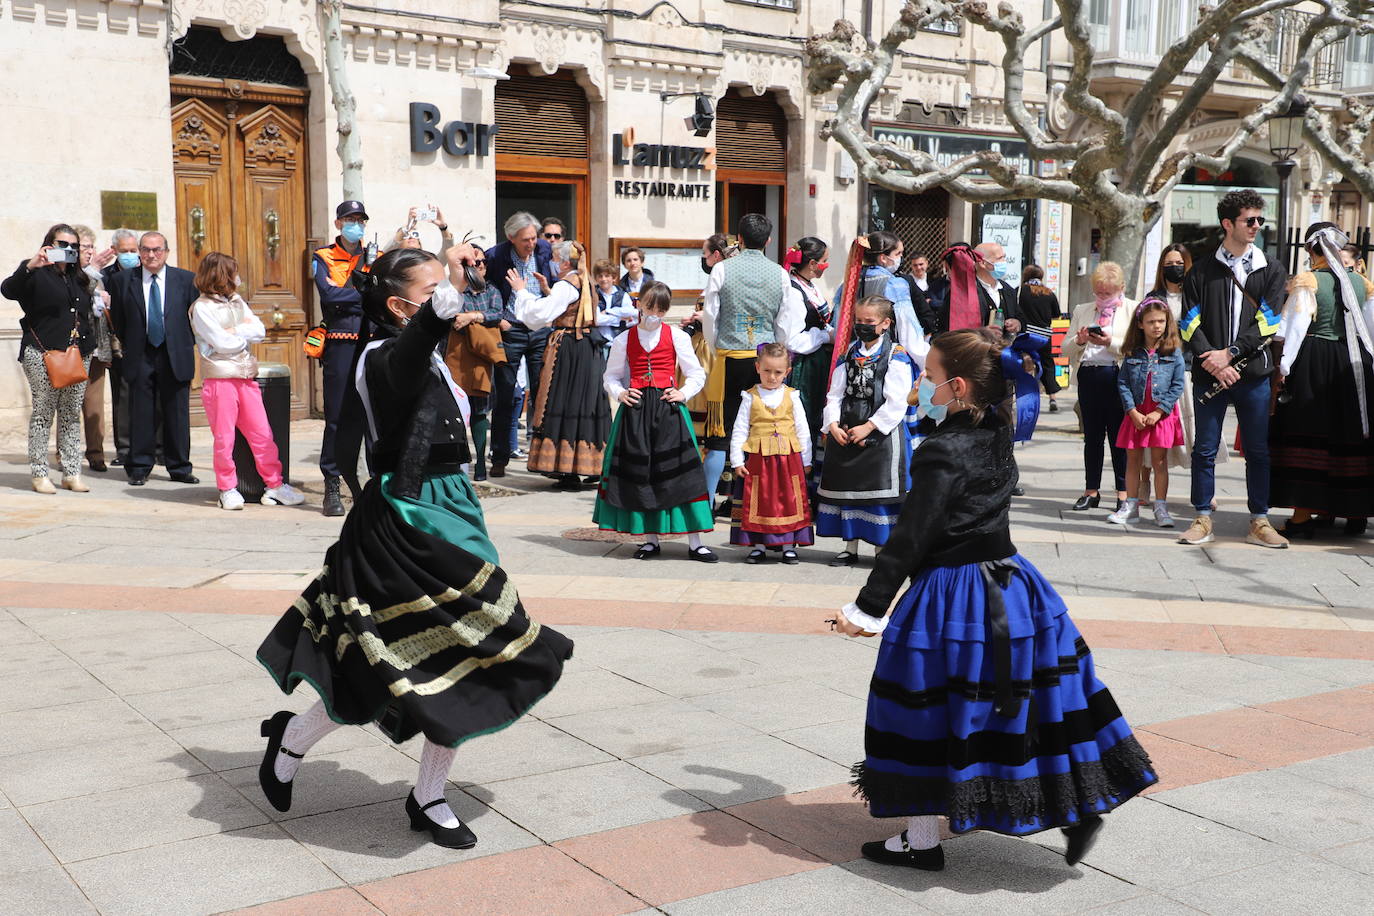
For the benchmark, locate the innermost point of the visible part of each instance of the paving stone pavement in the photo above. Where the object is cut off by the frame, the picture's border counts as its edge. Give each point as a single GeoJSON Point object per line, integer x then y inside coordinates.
{"type": "Point", "coordinates": [695, 757]}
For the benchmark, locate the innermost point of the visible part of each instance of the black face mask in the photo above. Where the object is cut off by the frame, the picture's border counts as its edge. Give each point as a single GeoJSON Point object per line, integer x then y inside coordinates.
{"type": "Point", "coordinates": [706, 266]}
{"type": "Point", "coordinates": [867, 332]}
{"type": "Point", "coordinates": [1174, 273]}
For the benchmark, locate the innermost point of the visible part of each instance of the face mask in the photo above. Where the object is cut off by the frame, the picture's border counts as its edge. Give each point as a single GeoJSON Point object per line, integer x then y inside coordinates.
{"type": "Point", "coordinates": [706, 266]}
{"type": "Point", "coordinates": [1001, 270]}
{"type": "Point", "coordinates": [650, 321]}
{"type": "Point", "coordinates": [354, 232]}
{"type": "Point", "coordinates": [820, 268]}
{"type": "Point", "coordinates": [1174, 273]}
{"type": "Point", "coordinates": [867, 333]}
{"type": "Point", "coordinates": [925, 391]}
{"type": "Point", "coordinates": [128, 259]}
{"type": "Point", "coordinates": [238, 282]}
{"type": "Point", "coordinates": [418, 305]}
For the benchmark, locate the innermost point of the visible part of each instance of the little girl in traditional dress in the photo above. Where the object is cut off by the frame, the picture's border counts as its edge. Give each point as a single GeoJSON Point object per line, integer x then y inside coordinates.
{"type": "Point", "coordinates": [1150, 382]}
{"type": "Point", "coordinates": [865, 477]}
{"type": "Point", "coordinates": [652, 481]}
{"type": "Point", "coordinates": [984, 705]}
{"type": "Point", "coordinates": [770, 450]}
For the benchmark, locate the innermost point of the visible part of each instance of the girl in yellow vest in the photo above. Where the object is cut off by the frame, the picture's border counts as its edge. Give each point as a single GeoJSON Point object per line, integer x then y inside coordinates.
{"type": "Point", "coordinates": [770, 450]}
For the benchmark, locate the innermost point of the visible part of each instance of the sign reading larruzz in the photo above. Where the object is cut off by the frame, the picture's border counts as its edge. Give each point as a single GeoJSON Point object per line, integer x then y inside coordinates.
{"type": "Point", "coordinates": [946, 147]}
{"type": "Point", "coordinates": [626, 152]}
{"type": "Point", "coordinates": [458, 138]}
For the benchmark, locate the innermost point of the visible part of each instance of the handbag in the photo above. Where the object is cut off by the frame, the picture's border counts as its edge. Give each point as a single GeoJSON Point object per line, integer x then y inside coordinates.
{"type": "Point", "coordinates": [67, 367]}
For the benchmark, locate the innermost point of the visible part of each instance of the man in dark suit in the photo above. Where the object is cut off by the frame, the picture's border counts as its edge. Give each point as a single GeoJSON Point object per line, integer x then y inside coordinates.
{"type": "Point", "coordinates": [150, 308]}
{"type": "Point", "coordinates": [993, 291]}
{"type": "Point", "coordinates": [528, 255]}
{"type": "Point", "coordinates": [918, 280]}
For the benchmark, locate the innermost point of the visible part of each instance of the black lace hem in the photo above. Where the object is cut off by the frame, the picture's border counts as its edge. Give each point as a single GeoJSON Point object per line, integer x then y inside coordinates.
{"type": "Point", "coordinates": [1038, 803]}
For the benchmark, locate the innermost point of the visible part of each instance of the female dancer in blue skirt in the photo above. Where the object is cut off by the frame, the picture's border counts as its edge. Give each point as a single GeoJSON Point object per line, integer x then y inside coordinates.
{"type": "Point", "coordinates": [413, 623]}
{"type": "Point", "coordinates": [984, 706]}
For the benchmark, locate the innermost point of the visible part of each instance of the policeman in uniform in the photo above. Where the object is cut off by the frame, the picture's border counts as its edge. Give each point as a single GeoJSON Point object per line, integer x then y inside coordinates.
{"type": "Point", "coordinates": [342, 308]}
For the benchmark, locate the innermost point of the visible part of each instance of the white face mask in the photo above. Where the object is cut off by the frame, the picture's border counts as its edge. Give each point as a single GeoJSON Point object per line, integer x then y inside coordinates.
{"type": "Point", "coordinates": [650, 321]}
{"type": "Point", "coordinates": [238, 283]}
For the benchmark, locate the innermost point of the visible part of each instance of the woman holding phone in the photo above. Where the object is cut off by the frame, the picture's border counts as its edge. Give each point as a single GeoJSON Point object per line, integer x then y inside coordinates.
{"type": "Point", "coordinates": [1093, 347]}
{"type": "Point", "coordinates": [55, 296]}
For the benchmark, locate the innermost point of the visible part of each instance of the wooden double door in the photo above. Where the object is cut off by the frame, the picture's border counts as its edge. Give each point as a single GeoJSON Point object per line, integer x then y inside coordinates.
{"type": "Point", "coordinates": [241, 171]}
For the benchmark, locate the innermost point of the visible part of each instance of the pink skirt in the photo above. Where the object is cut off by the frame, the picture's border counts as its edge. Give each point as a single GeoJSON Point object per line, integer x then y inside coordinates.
{"type": "Point", "coordinates": [1167, 433]}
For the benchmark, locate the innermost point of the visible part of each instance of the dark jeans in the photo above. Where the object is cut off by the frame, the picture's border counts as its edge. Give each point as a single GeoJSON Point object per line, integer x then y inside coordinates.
{"type": "Point", "coordinates": [1250, 397]}
{"type": "Point", "coordinates": [1047, 376]}
{"type": "Point", "coordinates": [1100, 403]}
{"type": "Point", "coordinates": [343, 420]}
{"type": "Point", "coordinates": [519, 343]}
{"type": "Point", "coordinates": [481, 423]}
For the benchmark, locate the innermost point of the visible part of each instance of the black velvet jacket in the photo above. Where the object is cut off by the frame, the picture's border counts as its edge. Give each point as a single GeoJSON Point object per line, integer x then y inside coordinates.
{"type": "Point", "coordinates": [419, 424]}
{"type": "Point", "coordinates": [962, 476]}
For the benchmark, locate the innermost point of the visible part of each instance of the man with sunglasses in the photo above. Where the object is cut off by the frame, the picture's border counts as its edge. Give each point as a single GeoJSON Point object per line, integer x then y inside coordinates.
{"type": "Point", "coordinates": [1231, 306]}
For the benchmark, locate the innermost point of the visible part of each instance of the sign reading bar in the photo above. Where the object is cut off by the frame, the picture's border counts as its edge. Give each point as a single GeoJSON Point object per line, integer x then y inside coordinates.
{"type": "Point", "coordinates": [458, 138]}
{"type": "Point", "coordinates": [128, 210]}
{"type": "Point", "coordinates": [946, 147]}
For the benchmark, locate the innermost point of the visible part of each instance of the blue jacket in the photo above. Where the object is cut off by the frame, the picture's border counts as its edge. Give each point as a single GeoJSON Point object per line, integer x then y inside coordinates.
{"type": "Point", "coordinates": [499, 261]}
{"type": "Point", "coordinates": [1168, 379]}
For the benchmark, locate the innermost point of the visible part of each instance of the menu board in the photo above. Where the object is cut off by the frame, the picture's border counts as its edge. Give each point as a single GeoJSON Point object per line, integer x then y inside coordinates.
{"type": "Point", "coordinates": [676, 262]}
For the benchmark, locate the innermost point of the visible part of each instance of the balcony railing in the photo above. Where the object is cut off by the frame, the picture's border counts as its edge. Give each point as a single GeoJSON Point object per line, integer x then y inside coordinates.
{"type": "Point", "coordinates": [1286, 46]}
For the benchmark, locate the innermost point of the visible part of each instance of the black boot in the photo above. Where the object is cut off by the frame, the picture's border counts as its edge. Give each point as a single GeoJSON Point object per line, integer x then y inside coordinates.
{"type": "Point", "coordinates": [333, 502]}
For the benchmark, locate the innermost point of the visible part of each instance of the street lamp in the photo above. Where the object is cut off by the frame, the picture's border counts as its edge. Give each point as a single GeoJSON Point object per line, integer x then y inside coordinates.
{"type": "Point", "coordinates": [1285, 139]}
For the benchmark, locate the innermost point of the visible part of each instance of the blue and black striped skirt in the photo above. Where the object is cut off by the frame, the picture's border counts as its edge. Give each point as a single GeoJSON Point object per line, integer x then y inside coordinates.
{"type": "Point", "coordinates": [1047, 748]}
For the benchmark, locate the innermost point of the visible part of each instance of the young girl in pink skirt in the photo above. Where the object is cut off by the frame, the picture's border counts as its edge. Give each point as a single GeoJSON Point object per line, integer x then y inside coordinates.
{"type": "Point", "coordinates": [1151, 382]}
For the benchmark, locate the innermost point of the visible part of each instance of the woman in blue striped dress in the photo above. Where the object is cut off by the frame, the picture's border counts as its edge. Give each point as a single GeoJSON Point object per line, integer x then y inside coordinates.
{"type": "Point", "coordinates": [984, 706]}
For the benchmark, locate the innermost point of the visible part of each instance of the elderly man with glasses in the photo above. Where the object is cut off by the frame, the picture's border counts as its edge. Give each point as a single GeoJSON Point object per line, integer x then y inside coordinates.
{"type": "Point", "coordinates": [150, 309]}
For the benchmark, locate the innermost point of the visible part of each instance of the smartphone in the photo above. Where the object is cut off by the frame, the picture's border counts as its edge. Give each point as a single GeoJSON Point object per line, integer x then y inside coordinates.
{"type": "Point", "coordinates": [426, 214]}
{"type": "Point", "coordinates": [1096, 329]}
{"type": "Point", "coordinates": [62, 255]}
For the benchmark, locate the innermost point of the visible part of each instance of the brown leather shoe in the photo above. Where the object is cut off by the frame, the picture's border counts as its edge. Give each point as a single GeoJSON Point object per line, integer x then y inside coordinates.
{"type": "Point", "coordinates": [497, 470]}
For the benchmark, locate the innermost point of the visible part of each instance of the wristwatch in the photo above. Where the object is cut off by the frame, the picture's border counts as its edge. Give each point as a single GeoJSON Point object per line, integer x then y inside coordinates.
{"type": "Point", "coordinates": [1234, 351]}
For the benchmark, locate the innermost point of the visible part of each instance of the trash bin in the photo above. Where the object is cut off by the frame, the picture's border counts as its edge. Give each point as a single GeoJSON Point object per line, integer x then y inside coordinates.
{"type": "Point", "coordinates": [274, 379]}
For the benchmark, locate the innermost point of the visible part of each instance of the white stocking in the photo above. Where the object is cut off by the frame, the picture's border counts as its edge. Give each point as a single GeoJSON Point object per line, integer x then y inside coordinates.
{"type": "Point", "coordinates": [921, 833]}
{"type": "Point", "coordinates": [302, 733]}
{"type": "Point", "coordinates": [435, 762]}
{"type": "Point", "coordinates": [693, 540]}
{"type": "Point", "coordinates": [651, 538]}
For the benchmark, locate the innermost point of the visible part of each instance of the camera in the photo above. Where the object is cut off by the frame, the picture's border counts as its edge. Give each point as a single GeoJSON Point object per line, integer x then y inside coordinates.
{"type": "Point", "coordinates": [426, 213]}
{"type": "Point", "coordinates": [62, 255]}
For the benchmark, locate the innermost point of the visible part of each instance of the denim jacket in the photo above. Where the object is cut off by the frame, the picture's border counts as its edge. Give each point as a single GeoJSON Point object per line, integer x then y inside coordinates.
{"type": "Point", "coordinates": [1168, 379]}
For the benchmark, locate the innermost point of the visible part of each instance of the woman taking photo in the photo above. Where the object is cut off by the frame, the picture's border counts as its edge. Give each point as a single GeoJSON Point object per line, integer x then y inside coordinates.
{"type": "Point", "coordinates": [1093, 346]}
{"type": "Point", "coordinates": [55, 296]}
{"type": "Point", "coordinates": [412, 624]}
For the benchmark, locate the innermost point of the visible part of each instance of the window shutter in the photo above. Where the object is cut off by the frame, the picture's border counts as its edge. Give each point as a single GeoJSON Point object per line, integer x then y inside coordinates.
{"type": "Point", "coordinates": [541, 116]}
{"type": "Point", "coordinates": [751, 133]}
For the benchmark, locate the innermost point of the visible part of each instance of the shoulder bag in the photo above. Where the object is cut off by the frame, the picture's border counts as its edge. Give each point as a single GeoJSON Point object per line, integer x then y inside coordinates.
{"type": "Point", "coordinates": [65, 367]}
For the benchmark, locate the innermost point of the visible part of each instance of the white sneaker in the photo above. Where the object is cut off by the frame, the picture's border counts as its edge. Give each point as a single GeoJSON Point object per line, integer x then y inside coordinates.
{"type": "Point", "coordinates": [1162, 517]}
{"type": "Point", "coordinates": [284, 495]}
{"type": "Point", "coordinates": [1134, 514]}
{"type": "Point", "coordinates": [1124, 516]}
{"type": "Point", "coordinates": [230, 499]}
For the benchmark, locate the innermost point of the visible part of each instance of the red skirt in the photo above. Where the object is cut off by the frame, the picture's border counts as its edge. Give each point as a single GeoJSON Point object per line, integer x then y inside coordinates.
{"type": "Point", "coordinates": [771, 507]}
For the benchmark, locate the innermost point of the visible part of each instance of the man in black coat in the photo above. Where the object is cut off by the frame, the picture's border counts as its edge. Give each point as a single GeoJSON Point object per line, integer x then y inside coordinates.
{"type": "Point", "coordinates": [993, 291]}
{"type": "Point", "coordinates": [924, 292]}
{"type": "Point", "coordinates": [150, 308]}
{"type": "Point", "coordinates": [526, 254]}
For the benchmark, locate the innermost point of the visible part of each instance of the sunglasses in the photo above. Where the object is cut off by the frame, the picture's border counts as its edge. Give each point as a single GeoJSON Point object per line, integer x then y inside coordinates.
{"type": "Point", "coordinates": [553, 235]}
{"type": "Point", "coordinates": [1252, 221]}
{"type": "Point", "coordinates": [59, 243]}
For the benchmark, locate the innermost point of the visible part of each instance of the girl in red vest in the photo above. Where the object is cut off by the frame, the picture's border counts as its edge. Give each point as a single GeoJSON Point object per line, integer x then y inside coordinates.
{"type": "Point", "coordinates": [652, 481]}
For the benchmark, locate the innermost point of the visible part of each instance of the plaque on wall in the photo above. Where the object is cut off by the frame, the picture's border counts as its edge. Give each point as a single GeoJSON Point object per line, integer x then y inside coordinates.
{"type": "Point", "coordinates": [128, 210]}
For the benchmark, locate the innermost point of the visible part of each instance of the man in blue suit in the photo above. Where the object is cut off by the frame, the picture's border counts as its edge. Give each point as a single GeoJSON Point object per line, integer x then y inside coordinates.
{"type": "Point", "coordinates": [150, 309]}
{"type": "Point", "coordinates": [528, 255]}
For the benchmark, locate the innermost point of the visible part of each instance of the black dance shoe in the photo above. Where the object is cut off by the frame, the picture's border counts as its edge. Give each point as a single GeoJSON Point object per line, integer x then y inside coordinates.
{"type": "Point", "coordinates": [702, 554]}
{"type": "Point", "coordinates": [648, 552]}
{"type": "Point", "coordinates": [459, 837]}
{"type": "Point", "coordinates": [932, 859]}
{"type": "Point", "coordinates": [844, 558]}
{"type": "Point", "coordinates": [1086, 502]}
{"type": "Point", "coordinates": [1081, 838]}
{"type": "Point", "coordinates": [277, 792]}
{"type": "Point", "coordinates": [789, 556]}
{"type": "Point", "coordinates": [722, 509]}
{"type": "Point", "coordinates": [757, 555]}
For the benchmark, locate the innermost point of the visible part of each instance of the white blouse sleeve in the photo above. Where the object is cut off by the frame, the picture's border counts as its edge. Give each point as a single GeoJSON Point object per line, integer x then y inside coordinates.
{"type": "Point", "coordinates": [211, 333]}
{"type": "Point", "coordinates": [540, 313]}
{"type": "Point", "coordinates": [448, 302]}
{"type": "Point", "coordinates": [1297, 318]}
{"type": "Point", "coordinates": [710, 305]}
{"type": "Point", "coordinates": [251, 328]}
{"type": "Point", "coordinates": [617, 366]}
{"type": "Point", "coordinates": [833, 396]}
{"type": "Point", "coordinates": [803, 428]}
{"type": "Point", "coordinates": [693, 376]}
{"type": "Point", "coordinates": [791, 319]}
{"type": "Point", "coordinates": [741, 430]}
{"type": "Point", "coordinates": [896, 386]}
